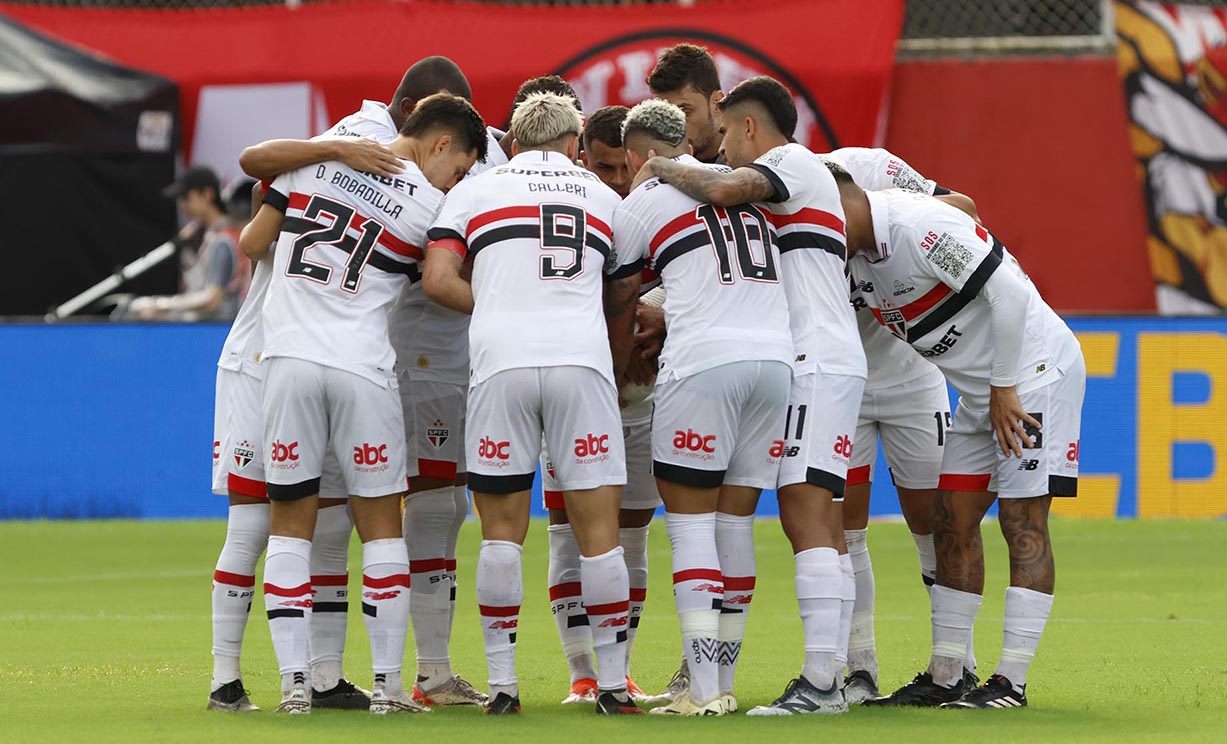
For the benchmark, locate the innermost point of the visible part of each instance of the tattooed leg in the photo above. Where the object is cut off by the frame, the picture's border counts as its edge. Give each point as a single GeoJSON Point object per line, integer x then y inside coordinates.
{"type": "Point", "coordinates": [957, 540]}
{"type": "Point", "coordinates": [1024, 524]}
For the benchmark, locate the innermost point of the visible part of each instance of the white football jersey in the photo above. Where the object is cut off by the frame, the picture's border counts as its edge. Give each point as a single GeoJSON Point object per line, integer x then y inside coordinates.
{"type": "Point", "coordinates": [924, 286]}
{"type": "Point", "coordinates": [434, 340]}
{"type": "Point", "coordinates": [349, 243]}
{"type": "Point", "coordinates": [889, 360]}
{"type": "Point", "coordinates": [538, 232]}
{"type": "Point", "coordinates": [372, 121]}
{"type": "Point", "coordinates": [813, 251]}
{"type": "Point", "coordinates": [720, 267]}
{"type": "Point", "coordinates": [245, 341]}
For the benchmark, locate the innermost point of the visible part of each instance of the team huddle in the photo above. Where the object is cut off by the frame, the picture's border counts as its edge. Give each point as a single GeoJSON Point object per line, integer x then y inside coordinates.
{"type": "Point", "coordinates": [673, 303]}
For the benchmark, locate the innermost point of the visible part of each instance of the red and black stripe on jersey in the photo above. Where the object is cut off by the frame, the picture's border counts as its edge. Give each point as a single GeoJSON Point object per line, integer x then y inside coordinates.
{"type": "Point", "coordinates": [396, 257]}
{"type": "Point", "coordinates": [939, 305]}
{"type": "Point", "coordinates": [687, 232]}
{"type": "Point", "coordinates": [800, 230]}
{"type": "Point", "coordinates": [510, 223]}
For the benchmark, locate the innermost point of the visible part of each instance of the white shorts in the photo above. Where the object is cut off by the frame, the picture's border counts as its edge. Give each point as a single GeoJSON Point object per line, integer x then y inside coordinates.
{"type": "Point", "coordinates": [973, 460]}
{"type": "Point", "coordinates": [721, 425]}
{"type": "Point", "coordinates": [310, 408]}
{"type": "Point", "coordinates": [238, 462]}
{"type": "Point", "coordinates": [434, 427]}
{"type": "Point", "coordinates": [640, 491]}
{"type": "Point", "coordinates": [818, 430]}
{"type": "Point", "coordinates": [911, 418]}
{"type": "Point", "coordinates": [575, 408]}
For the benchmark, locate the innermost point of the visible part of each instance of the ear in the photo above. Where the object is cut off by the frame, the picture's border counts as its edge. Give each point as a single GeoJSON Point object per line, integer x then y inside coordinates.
{"type": "Point", "coordinates": [750, 126]}
{"type": "Point", "coordinates": [583, 156]}
{"type": "Point", "coordinates": [573, 148]}
{"type": "Point", "coordinates": [443, 144]}
{"type": "Point", "coordinates": [689, 148]}
{"type": "Point", "coordinates": [633, 162]}
{"type": "Point", "coordinates": [407, 105]}
{"type": "Point", "coordinates": [515, 148]}
{"type": "Point", "coordinates": [715, 98]}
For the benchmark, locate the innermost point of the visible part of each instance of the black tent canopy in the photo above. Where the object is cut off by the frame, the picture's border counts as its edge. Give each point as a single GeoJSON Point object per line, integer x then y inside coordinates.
{"type": "Point", "coordinates": [86, 147]}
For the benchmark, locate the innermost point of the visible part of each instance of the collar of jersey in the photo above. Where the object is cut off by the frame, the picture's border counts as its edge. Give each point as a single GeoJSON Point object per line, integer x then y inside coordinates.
{"type": "Point", "coordinates": [378, 112]}
{"type": "Point", "coordinates": [541, 156]}
{"type": "Point", "coordinates": [687, 159]}
{"type": "Point", "coordinates": [879, 212]}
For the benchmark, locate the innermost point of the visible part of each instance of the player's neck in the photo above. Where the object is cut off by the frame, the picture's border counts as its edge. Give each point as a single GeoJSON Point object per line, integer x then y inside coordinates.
{"type": "Point", "coordinates": [768, 142]}
{"type": "Point", "coordinates": [859, 223]}
{"type": "Point", "coordinates": [408, 148]}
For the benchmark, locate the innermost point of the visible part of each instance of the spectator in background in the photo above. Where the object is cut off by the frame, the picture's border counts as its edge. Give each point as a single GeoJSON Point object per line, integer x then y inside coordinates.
{"type": "Point", "coordinates": [216, 275]}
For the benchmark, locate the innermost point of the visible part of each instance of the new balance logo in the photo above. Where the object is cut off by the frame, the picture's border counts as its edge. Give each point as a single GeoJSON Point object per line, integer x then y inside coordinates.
{"type": "Point", "coordinates": [296, 603]}
{"type": "Point", "coordinates": [503, 624]}
{"type": "Point", "coordinates": [1029, 465]}
{"type": "Point", "coordinates": [377, 596]}
{"type": "Point", "coordinates": [711, 588]}
{"type": "Point", "coordinates": [615, 622]}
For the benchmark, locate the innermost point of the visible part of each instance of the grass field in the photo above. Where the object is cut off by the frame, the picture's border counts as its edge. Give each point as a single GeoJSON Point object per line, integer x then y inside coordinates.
{"type": "Point", "coordinates": [104, 636]}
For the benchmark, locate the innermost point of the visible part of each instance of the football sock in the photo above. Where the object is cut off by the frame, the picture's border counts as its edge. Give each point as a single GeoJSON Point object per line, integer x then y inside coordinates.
{"type": "Point", "coordinates": [606, 592]}
{"type": "Point", "coordinates": [428, 521]}
{"type": "Point", "coordinates": [287, 600]}
{"type": "Point", "coordinates": [847, 588]}
{"type": "Point", "coordinates": [567, 604]}
{"type": "Point", "coordinates": [953, 615]}
{"type": "Point", "coordinates": [234, 582]}
{"type": "Point", "coordinates": [698, 588]}
{"type": "Point", "coordinates": [635, 546]}
{"type": "Point", "coordinates": [928, 558]}
{"type": "Point", "coordinates": [460, 497]}
{"type": "Point", "coordinates": [1026, 613]}
{"type": "Point", "coordinates": [330, 582]}
{"type": "Point", "coordinates": [500, 590]}
{"type": "Point", "coordinates": [385, 606]}
{"type": "Point", "coordinates": [862, 652]}
{"type": "Point", "coordinates": [820, 595]}
{"type": "Point", "coordinates": [735, 546]}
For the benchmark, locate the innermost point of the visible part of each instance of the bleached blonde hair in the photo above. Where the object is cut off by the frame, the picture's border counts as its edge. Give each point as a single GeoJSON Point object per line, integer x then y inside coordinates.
{"type": "Point", "coordinates": [543, 118]}
{"type": "Point", "coordinates": [660, 120]}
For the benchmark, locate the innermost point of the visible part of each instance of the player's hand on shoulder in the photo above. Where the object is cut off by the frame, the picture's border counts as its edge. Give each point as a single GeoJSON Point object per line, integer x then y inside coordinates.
{"type": "Point", "coordinates": [368, 156]}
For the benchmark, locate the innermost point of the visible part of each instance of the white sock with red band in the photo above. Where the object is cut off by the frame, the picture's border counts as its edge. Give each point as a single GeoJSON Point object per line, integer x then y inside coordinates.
{"type": "Point", "coordinates": [698, 590]}
{"type": "Point", "coordinates": [567, 603]}
{"type": "Point", "coordinates": [635, 548]}
{"type": "Point", "coordinates": [385, 606]}
{"type": "Point", "coordinates": [500, 591]}
{"type": "Point", "coordinates": [330, 583]}
{"type": "Point", "coordinates": [820, 596]}
{"type": "Point", "coordinates": [234, 585]}
{"type": "Point", "coordinates": [607, 600]}
{"type": "Point", "coordinates": [427, 524]}
{"type": "Point", "coordinates": [287, 601]}
{"type": "Point", "coordinates": [735, 546]}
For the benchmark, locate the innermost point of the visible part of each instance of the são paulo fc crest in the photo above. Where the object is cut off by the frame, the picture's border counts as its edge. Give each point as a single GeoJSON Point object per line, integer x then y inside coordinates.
{"type": "Point", "coordinates": [243, 454]}
{"type": "Point", "coordinates": [893, 320]}
{"type": "Point", "coordinates": [437, 433]}
{"type": "Point", "coordinates": [614, 72]}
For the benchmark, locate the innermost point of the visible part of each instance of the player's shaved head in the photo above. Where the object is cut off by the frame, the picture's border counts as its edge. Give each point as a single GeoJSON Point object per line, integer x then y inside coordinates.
{"type": "Point", "coordinates": [657, 124]}
{"type": "Point", "coordinates": [545, 121]}
{"type": "Point", "coordinates": [767, 96]}
{"type": "Point", "coordinates": [425, 78]}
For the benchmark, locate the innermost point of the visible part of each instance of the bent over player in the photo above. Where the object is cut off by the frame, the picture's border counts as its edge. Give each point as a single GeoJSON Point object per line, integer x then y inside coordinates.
{"type": "Point", "coordinates": [721, 394]}
{"type": "Point", "coordinates": [1021, 378]}
{"type": "Point", "coordinates": [829, 363]}
{"type": "Point", "coordinates": [346, 244]}
{"type": "Point", "coordinates": [538, 232]}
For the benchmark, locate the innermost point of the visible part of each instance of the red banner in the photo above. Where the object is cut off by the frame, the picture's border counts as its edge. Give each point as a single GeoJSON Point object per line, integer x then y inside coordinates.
{"type": "Point", "coordinates": [835, 55]}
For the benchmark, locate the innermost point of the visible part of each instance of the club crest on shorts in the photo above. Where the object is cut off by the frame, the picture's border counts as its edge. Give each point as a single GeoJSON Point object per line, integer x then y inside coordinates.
{"type": "Point", "coordinates": [437, 433]}
{"type": "Point", "coordinates": [244, 453]}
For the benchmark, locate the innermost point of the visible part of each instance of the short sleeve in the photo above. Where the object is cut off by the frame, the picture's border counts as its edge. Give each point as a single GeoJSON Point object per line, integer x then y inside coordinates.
{"type": "Point", "coordinates": [277, 195]}
{"type": "Point", "coordinates": [875, 169]}
{"type": "Point", "coordinates": [631, 243]}
{"type": "Point", "coordinates": [221, 262]}
{"type": "Point", "coordinates": [452, 219]}
{"type": "Point", "coordinates": [787, 168]}
{"type": "Point", "coordinates": [962, 254]}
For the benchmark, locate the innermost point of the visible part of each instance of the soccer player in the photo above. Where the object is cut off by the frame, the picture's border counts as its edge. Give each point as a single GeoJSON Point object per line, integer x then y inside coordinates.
{"type": "Point", "coordinates": [604, 156]}
{"type": "Point", "coordinates": [721, 393]}
{"type": "Point", "coordinates": [686, 76]}
{"type": "Point", "coordinates": [347, 243]}
{"type": "Point", "coordinates": [1020, 376]}
{"type": "Point", "coordinates": [432, 359]}
{"type": "Point", "coordinates": [538, 232]}
{"type": "Point", "coordinates": [829, 371]}
{"type": "Point", "coordinates": [906, 404]}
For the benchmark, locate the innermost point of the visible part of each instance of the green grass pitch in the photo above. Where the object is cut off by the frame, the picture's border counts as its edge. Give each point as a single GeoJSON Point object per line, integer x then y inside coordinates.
{"type": "Point", "coordinates": [105, 634]}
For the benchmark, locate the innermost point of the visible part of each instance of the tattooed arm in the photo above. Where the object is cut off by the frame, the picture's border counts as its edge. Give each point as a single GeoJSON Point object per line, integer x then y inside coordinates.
{"type": "Point", "coordinates": [711, 186]}
{"type": "Point", "coordinates": [621, 299]}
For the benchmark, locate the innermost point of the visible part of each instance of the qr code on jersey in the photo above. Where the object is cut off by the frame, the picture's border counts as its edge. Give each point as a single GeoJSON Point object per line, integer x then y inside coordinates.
{"type": "Point", "coordinates": [950, 255]}
{"type": "Point", "coordinates": [906, 178]}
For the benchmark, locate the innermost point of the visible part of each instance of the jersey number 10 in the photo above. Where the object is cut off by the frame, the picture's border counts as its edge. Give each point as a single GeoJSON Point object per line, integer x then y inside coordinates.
{"type": "Point", "coordinates": [740, 219]}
